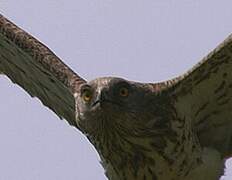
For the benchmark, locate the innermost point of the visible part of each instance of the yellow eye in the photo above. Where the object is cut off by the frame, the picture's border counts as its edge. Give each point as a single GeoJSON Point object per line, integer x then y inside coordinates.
{"type": "Point", "coordinates": [87, 95]}
{"type": "Point", "coordinates": [124, 92]}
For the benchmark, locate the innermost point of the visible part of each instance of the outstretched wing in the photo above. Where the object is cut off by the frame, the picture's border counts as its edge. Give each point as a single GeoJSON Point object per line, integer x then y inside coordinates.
{"type": "Point", "coordinates": [35, 68]}
{"type": "Point", "coordinates": [204, 94]}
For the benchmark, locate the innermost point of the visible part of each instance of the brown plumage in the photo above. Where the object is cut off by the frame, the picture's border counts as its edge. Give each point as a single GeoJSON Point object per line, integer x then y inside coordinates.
{"type": "Point", "coordinates": [146, 131]}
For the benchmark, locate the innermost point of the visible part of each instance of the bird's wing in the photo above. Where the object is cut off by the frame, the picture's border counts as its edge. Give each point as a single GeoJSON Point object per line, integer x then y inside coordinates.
{"type": "Point", "coordinates": [35, 68]}
{"type": "Point", "coordinates": [204, 94]}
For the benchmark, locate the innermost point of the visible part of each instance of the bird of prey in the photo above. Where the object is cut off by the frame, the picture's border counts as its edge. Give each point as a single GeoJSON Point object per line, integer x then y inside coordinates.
{"type": "Point", "coordinates": [179, 129]}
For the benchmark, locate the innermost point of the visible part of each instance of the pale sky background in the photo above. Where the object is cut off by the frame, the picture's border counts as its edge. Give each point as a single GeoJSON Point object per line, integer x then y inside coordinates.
{"type": "Point", "coordinates": [141, 40]}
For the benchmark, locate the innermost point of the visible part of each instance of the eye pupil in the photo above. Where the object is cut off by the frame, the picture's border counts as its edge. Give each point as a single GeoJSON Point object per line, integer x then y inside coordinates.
{"type": "Point", "coordinates": [124, 92]}
{"type": "Point", "coordinates": [87, 95]}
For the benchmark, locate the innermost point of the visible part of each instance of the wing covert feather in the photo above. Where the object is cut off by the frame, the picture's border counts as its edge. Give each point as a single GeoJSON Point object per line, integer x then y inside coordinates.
{"type": "Point", "coordinates": [205, 95]}
{"type": "Point", "coordinates": [34, 67]}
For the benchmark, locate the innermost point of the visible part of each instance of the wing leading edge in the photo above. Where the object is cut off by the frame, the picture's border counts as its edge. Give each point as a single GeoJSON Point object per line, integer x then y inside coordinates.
{"type": "Point", "coordinates": [34, 67]}
{"type": "Point", "coordinates": [205, 95]}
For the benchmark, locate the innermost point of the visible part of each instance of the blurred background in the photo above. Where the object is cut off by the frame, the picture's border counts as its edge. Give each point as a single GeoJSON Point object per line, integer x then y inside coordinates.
{"type": "Point", "coordinates": [148, 41]}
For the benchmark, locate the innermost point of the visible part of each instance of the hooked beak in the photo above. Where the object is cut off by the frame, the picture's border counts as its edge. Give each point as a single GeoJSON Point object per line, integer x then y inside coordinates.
{"type": "Point", "coordinates": [99, 99]}
{"type": "Point", "coordinates": [96, 102]}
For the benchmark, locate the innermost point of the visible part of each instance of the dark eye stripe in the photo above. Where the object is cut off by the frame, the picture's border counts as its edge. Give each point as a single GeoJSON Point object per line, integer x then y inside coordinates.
{"type": "Point", "coordinates": [84, 88]}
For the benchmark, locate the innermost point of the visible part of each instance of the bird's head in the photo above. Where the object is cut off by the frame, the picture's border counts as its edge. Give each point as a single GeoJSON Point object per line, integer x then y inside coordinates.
{"type": "Point", "coordinates": [124, 120]}
{"type": "Point", "coordinates": [113, 104]}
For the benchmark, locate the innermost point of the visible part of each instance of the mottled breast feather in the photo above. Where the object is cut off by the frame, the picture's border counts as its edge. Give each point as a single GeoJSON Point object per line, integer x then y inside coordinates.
{"type": "Point", "coordinates": [34, 67]}
{"type": "Point", "coordinates": [204, 94]}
